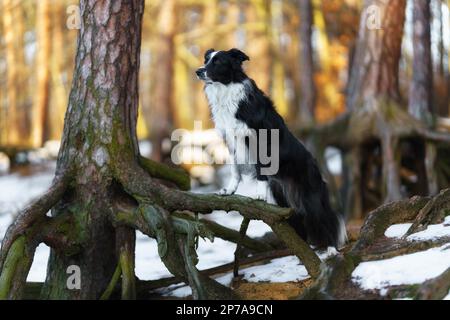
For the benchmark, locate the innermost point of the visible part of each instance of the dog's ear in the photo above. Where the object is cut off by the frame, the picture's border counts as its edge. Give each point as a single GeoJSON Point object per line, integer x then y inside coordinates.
{"type": "Point", "coordinates": [208, 53]}
{"type": "Point", "coordinates": [238, 55]}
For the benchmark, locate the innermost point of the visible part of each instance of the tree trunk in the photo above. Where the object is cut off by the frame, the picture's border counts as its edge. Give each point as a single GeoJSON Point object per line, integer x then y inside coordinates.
{"type": "Point", "coordinates": [41, 102]}
{"type": "Point", "coordinates": [308, 88]}
{"type": "Point", "coordinates": [260, 49]}
{"type": "Point", "coordinates": [13, 26]}
{"type": "Point", "coordinates": [99, 134]}
{"type": "Point", "coordinates": [375, 67]}
{"type": "Point", "coordinates": [59, 76]}
{"type": "Point", "coordinates": [373, 91]}
{"type": "Point", "coordinates": [162, 109]}
{"type": "Point", "coordinates": [421, 90]}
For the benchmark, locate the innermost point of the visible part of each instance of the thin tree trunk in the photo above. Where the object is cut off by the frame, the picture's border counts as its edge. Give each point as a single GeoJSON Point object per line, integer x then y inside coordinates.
{"type": "Point", "coordinates": [59, 93]}
{"type": "Point", "coordinates": [13, 26]}
{"type": "Point", "coordinates": [421, 90]}
{"type": "Point", "coordinates": [162, 108]}
{"type": "Point", "coordinates": [260, 48]}
{"type": "Point", "coordinates": [42, 93]}
{"type": "Point", "coordinates": [278, 88]}
{"type": "Point", "coordinates": [308, 88]}
{"type": "Point", "coordinates": [210, 20]}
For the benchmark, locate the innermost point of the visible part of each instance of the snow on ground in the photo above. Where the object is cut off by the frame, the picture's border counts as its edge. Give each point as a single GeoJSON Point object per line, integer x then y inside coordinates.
{"type": "Point", "coordinates": [407, 269]}
{"type": "Point", "coordinates": [286, 269]}
{"type": "Point", "coordinates": [403, 270]}
{"type": "Point", "coordinates": [432, 232]}
{"type": "Point", "coordinates": [17, 190]}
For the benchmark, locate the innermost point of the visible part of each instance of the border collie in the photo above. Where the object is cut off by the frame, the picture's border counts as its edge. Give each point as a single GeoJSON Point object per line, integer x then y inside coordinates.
{"type": "Point", "coordinates": [239, 106]}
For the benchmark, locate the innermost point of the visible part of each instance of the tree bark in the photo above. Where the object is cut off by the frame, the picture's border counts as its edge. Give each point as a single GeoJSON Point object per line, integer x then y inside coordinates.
{"type": "Point", "coordinates": [99, 132]}
{"type": "Point", "coordinates": [375, 67]}
{"type": "Point", "coordinates": [421, 90]}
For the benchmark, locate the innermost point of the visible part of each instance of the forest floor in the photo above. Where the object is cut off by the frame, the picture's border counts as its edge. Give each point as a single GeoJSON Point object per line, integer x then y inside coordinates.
{"type": "Point", "coordinates": [280, 278]}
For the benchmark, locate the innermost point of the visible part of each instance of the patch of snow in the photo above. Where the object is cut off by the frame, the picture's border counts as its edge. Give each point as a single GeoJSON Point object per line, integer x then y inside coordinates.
{"type": "Point", "coordinates": [397, 230]}
{"type": "Point", "coordinates": [5, 163]}
{"type": "Point", "coordinates": [148, 264]}
{"type": "Point", "coordinates": [334, 160]}
{"type": "Point", "coordinates": [180, 290]}
{"type": "Point", "coordinates": [278, 270]}
{"type": "Point", "coordinates": [39, 267]}
{"type": "Point", "coordinates": [5, 221]}
{"type": "Point", "coordinates": [145, 148]}
{"type": "Point", "coordinates": [16, 191]}
{"type": "Point", "coordinates": [407, 269]}
{"type": "Point", "coordinates": [432, 232]}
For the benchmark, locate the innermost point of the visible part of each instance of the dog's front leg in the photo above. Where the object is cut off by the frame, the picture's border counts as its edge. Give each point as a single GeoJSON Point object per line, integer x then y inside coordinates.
{"type": "Point", "coordinates": [234, 181]}
{"type": "Point", "coordinates": [262, 190]}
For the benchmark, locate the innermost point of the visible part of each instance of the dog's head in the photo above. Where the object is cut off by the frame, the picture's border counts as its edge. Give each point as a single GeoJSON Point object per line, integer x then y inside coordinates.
{"type": "Point", "coordinates": [223, 66]}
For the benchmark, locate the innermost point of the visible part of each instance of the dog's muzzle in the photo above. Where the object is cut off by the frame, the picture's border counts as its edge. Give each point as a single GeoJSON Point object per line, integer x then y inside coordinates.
{"type": "Point", "coordinates": [201, 73]}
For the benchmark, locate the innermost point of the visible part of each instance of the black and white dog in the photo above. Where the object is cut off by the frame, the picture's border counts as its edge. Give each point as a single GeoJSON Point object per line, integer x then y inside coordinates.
{"type": "Point", "coordinates": [239, 106]}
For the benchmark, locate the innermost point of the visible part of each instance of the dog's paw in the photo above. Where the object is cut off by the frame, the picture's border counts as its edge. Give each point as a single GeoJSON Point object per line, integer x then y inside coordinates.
{"type": "Point", "coordinates": [261, 196]}
{"type": "Point", "coordinates": [226, 192]}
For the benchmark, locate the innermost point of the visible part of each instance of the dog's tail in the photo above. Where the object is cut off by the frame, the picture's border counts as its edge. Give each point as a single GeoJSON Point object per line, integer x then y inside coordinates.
{"type": "Point", "coordinates": [314, 219]}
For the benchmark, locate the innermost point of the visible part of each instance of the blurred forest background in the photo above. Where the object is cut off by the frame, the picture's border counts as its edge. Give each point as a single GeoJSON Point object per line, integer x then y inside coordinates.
{"type": "Point", "coordinates": [301, 55]}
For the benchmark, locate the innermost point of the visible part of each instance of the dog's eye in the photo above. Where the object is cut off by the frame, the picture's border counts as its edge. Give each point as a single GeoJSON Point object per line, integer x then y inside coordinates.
{"type": "Point", "coordinates": [215, 61]}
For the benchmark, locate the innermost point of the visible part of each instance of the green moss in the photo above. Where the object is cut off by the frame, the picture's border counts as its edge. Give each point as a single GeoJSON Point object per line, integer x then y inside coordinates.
{"type": "Point", "coordinates": [15, 255]}
{"type": "Point", "coordinates": [179, 176]}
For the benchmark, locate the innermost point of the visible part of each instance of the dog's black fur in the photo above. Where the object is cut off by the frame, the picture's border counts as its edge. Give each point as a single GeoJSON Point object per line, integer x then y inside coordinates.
{"type": "Point", "coordinates": [298, 183]}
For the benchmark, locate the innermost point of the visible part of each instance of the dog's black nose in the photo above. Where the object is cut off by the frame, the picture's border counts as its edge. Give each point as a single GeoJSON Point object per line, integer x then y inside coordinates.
{"type": "Point", "coordinates": [200, 71]}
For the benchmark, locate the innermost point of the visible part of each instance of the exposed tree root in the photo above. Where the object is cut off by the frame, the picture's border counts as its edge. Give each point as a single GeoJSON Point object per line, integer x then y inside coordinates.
{"type": "Point", "coordinates": [144, 287]}
{"type": "Point", "coordinates": [386, 215]}
{"type": "Point", "coordinates": [158, 215]}
{"type": "Point", "coordinates": [219, 231]}
{"type": "Point", "coordinates": [335, 280]}
{"type": "Point", "coordinates": [435, 289]}
{"type": "Point", "coordinates": [112, 285]}
{"type": "Point", "coordinates": [433, 213]}
{"type": "Point", "coordinates": [16, 267]}
{"type": "Point", "coordinates": [177, 176]}
{"type": "Point", "coordinates": [125, 242]}
{"type": "Point", "coordinates": [388, 248]}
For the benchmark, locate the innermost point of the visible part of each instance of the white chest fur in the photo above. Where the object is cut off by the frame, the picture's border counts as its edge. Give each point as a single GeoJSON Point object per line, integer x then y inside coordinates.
{"type": "Point", "coordinates": [224, 102]}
